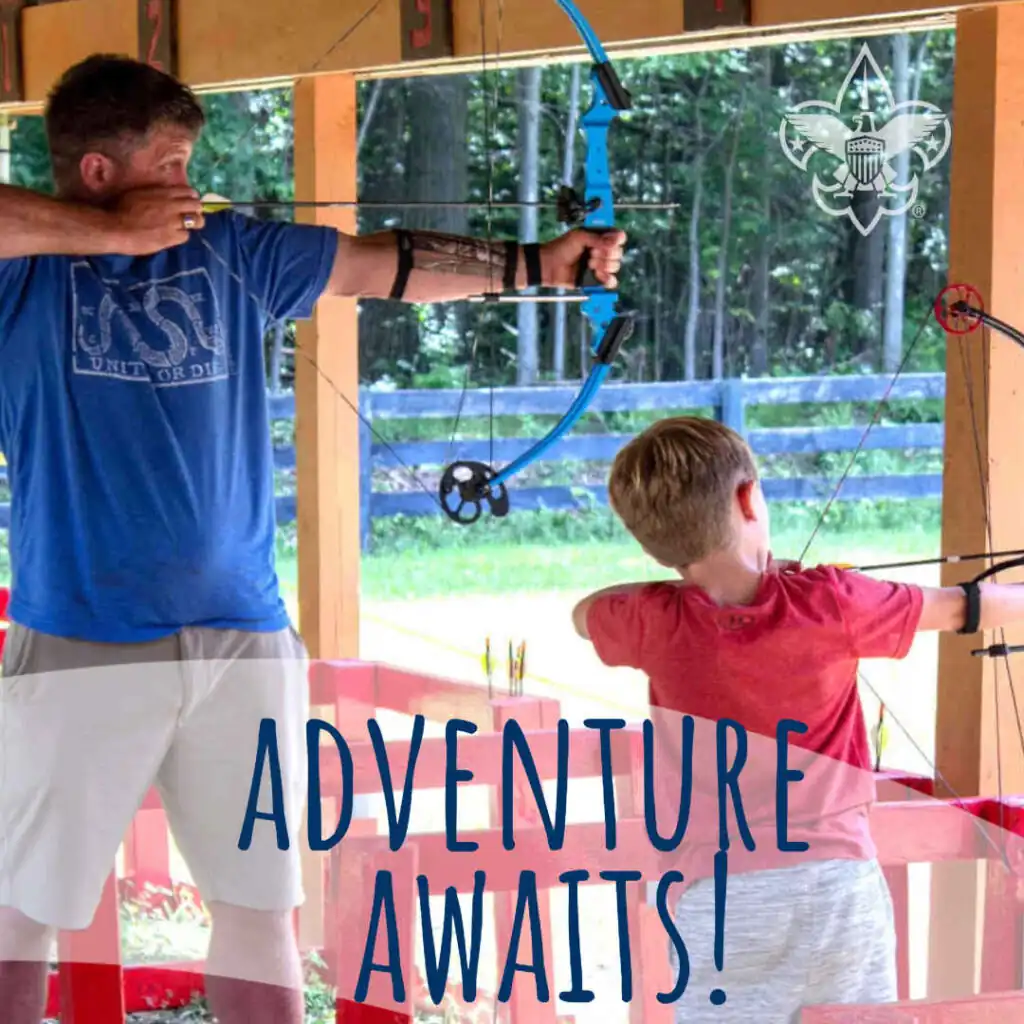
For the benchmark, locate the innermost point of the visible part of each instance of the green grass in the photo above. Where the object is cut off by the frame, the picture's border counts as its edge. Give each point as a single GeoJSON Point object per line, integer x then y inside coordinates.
{"type": "Point", "coordinates": [523, 567]}
{"type": "Point", "coordinates": [545, 551]}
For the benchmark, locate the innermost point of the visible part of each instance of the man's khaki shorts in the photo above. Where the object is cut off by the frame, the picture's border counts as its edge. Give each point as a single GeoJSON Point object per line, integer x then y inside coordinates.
{"type": "Point", "coordinates": [87, 728]}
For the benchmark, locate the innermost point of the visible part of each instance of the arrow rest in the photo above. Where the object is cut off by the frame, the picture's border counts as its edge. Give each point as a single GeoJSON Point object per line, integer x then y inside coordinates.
{"type": "Point", "coordinates": [470, 483]}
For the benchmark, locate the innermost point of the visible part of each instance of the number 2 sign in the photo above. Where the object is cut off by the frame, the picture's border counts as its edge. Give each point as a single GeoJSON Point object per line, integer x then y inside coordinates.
{"type": "Point", "coordinates": [156, 35]}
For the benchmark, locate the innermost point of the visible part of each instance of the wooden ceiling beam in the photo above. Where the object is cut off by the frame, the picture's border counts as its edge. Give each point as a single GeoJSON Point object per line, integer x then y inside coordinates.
{"type": "Point", "coordinates": [224, 44]}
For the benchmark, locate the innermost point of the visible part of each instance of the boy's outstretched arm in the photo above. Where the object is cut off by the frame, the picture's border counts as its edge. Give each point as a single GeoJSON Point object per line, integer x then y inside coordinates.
{"type": "Point", "coordinates": [579, 613]}
{"type": "Point", "coordinates": [945, 608]}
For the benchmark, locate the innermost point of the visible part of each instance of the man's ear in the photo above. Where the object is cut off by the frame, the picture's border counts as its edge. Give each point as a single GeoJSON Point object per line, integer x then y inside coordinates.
{"type": "Point", "coordinates": [98, 172]}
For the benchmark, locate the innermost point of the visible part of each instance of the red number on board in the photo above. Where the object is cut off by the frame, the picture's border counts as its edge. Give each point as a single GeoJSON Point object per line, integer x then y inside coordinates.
{"type": "Point", "coordinates": [421, 36]}
{"type": "Point", "coordinates": [5, 60]}
{"type": "Point", "coordinates": [155, 15]}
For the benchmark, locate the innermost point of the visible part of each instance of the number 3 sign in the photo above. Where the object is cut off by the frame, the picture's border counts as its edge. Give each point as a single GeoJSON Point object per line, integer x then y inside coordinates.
{"type": "Point", "coordinates": [426, 29]}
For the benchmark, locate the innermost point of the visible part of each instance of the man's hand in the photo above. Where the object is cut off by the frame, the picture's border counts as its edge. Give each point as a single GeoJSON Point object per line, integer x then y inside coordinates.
{"type": "Point", "coordinates": [152, 219]}
{"type": "Point", "coordinates": [601, 251]}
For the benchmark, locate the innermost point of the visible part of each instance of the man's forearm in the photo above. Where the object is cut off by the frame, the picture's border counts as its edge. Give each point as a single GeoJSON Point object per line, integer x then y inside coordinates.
{"type": "Point", "coordinates": [32, 224]}
{"type": "Point", "coordinates": [443, 267]}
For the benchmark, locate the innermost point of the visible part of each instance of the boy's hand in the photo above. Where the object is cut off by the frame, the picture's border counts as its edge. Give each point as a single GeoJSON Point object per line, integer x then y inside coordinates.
{"type": "Point", "coordinates": [786, 565]}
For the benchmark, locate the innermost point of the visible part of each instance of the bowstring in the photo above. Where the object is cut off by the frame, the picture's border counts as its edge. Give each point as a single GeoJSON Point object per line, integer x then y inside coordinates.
{"type": "Point", "coordinates": [1000, 847]}
{"type": "Point", "coordinates": [494, 76]}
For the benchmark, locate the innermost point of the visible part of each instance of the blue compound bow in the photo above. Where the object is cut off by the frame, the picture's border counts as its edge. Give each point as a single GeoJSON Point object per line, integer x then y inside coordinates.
{"type": "Point", "coordinates": [466, 485]}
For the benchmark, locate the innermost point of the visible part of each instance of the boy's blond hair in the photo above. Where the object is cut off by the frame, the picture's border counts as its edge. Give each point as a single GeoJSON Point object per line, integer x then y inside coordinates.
{"type": "Point", "coordinates": [673, 485]}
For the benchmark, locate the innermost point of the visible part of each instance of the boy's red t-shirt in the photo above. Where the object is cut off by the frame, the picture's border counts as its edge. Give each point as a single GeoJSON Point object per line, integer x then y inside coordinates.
{"type": "Point", "coordinates": [792, 653]}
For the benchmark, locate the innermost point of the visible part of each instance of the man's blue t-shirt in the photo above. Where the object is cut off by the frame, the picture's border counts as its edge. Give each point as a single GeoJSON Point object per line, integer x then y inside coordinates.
{"type": "Point", "coordinates": [134, 420]}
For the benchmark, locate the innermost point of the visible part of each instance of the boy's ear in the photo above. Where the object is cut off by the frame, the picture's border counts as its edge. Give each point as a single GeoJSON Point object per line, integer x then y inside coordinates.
{"type": "Point", "coordinates": [745, 497]}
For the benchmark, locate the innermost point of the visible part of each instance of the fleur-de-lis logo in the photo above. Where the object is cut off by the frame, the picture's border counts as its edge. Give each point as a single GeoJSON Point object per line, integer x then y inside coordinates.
{"type": "Point", "coordinates": [853, 156]}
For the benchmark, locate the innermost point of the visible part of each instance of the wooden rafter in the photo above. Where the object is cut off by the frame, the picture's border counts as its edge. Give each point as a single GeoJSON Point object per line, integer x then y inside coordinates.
{"type": "Point", "coordinates": [231, 43]}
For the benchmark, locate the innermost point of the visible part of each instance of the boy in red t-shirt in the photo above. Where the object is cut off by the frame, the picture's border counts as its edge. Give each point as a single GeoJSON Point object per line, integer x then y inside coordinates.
{"type": "Point", "coordinates": [740, 637]}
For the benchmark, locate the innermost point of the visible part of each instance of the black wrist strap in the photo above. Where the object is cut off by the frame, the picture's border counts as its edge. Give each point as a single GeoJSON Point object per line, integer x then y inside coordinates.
{"type": "Point", "coordinates": [403, 242]}
{"type": "Point", "coordinates": [973, 620]}
{"type": "Point", "coordinates": [531, 256]}
{"type": "Point", "coordinates": [511, 266]}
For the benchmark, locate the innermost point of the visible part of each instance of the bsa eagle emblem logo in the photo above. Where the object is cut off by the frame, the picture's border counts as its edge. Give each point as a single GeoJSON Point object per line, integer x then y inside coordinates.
{"type": "Point", "coordinates": [855, 156]}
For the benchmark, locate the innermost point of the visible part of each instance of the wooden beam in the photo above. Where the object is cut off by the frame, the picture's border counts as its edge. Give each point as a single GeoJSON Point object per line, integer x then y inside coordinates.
{"type": "Point", "coordinates": [984, 381]}
{"type": "Point", "coordinates": [978, 746]}
{"type": "Point", "coordinates": [233, 43]}
{"type": "Point", "coordinates": [326, 428]}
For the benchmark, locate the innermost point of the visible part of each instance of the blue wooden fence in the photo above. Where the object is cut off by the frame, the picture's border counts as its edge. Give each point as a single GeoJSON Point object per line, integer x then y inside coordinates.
{"type": "Point", "coordinates": [727, 400]}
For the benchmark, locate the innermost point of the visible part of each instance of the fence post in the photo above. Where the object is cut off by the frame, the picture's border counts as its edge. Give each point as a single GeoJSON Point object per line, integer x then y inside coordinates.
{"type": "Point", "coordinates": [732, 410]}
{"type": "Point", "coordinates": [365, 467]}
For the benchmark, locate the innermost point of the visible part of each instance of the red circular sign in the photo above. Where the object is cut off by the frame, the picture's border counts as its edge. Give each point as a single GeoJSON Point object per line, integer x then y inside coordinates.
{"type": "Point", "coordinates": [952, 321]}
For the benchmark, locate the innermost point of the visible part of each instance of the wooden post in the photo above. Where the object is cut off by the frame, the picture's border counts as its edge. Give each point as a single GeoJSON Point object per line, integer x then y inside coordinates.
{"type": "Point", "coordinates": [326, 427]}
{"type": "Point", "coordinates": [984, 381]}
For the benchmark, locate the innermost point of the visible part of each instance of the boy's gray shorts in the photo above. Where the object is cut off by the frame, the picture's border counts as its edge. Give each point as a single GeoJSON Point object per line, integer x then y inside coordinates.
{"type": "Point", "coordinates": [816, 933]}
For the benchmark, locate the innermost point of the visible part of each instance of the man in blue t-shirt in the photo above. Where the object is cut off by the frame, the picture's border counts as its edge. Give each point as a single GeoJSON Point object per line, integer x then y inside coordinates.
{"type": "Point", "coordinates": [148, 633]}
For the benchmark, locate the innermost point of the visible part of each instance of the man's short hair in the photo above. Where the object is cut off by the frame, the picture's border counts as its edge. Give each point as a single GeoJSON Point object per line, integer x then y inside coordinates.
{"type": "Point", "coordinates": [673, 486]}
{"type": "Point", "coordinates": [108, 103]}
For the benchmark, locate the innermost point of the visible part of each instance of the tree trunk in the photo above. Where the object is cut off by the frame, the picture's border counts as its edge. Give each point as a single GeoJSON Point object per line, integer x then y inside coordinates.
{"type": "Point", "coordinates": [895, 282]}
{"type": "Point", "coordinates": [436, 168]}
{"type": "Point", "coordinates": [568, 171]}
{"type": "Point", "coordinates": [528, 361]}
{"type": "Point", "coordinates": [761, 285]}
{"type": "Point", "coordinates": [721, 285]}
{"type": "Point", "coordinates": [371, 108]}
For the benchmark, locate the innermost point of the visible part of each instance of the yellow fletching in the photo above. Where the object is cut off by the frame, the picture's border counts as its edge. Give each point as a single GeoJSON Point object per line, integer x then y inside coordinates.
{"type": "Point", "coordinates": [883, 736]}
{"type": "Point", "coordinates": [213, 203]}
